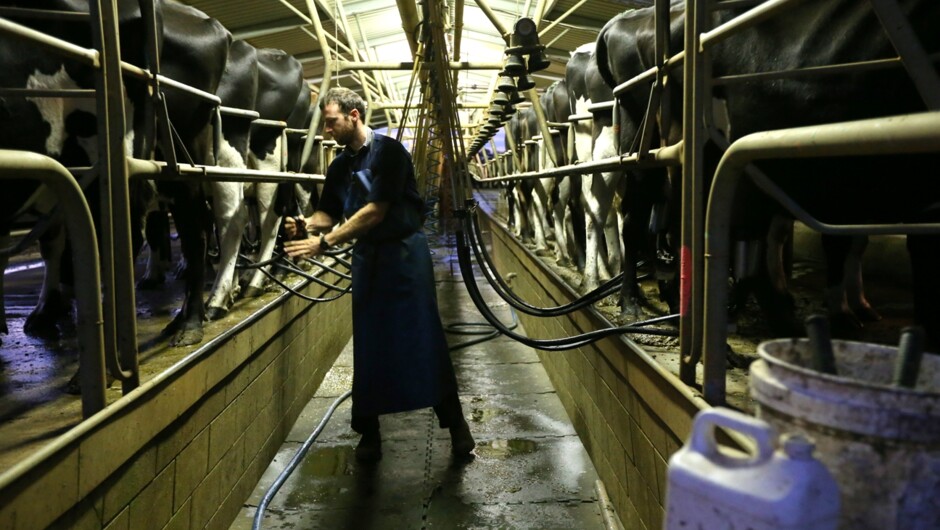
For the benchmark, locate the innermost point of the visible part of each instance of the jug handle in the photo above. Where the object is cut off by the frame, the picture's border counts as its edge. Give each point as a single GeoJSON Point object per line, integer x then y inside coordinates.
{"type": "Point", "coordinates": [703, 434]}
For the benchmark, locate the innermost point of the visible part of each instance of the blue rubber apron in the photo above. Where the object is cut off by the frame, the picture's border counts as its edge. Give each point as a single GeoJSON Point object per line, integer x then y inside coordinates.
{"type": "Point", "coordinates": [400, 356]}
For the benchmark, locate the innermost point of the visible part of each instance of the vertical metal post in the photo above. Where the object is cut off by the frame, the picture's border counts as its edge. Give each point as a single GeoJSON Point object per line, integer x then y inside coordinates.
{"type": "Point", "coordinates": [324, 85]}
{"type": "Point", "coordinates": [118, 281]}
{"type": "Point", "coordinates": [695, 69]}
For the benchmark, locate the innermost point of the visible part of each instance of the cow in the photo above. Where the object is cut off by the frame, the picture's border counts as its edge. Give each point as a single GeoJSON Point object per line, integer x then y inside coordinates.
{"type": "Point", "coordinates": [278, 93]}
{"type": "Point", "coordinates": [564, 192]}
{"type": "Point", "coordinates": [62, 128]}
{"type": "Point", "coordinates": [804, 37]}
{"type": "Point", "coordinates": [594, 140]}
{"type": "Point", "coordinates": [195, 51]}
{"type": "Point", "coordinates": [238, 88]}
{"type": "Point", "coordinates": [522, 127]}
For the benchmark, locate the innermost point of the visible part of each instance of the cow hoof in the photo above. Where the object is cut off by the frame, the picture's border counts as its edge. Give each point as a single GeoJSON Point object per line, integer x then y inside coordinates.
{"type": "Point", "coordinates": [252, 292]}
{"type": "Point", "coordinates": [215, 313]}
{"type": "Point", "coordinates": [631, 313]}
{"type": "Point", "coordinates": [866, 314]}
{"type": "Point", "coordinates": [150, 284]}
{"type": "Point", "coordinates": [564, 262]}
{"type": "Point", "coordinates": [187, 337]}
{"type": "Point", "coordinates": [845, 326]}
{"type": "Point", "coordinates": [543, 252]}
{"type": "Point", "coordinates": [41, 325]}
{"type": "Point", "coordinates": [74, 386]}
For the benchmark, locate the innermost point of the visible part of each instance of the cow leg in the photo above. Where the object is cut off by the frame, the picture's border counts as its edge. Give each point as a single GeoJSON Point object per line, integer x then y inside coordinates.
{"type": "Point", "coordinates": [157, 234]}
{"type": "Point", "coordinates": [925, 264]}
{"type": "Point", "coordinates": [842, 320]}
{"type": "Point", "coordinates": [231, 215]}
{"type": "Point", "coordinates": [633, 234]}
{"type": "Point", "coordinates": [538, 216]}
{"type": "Point", "coordinates": [591, 232]}
{"type": "Point", "coordinates": [853, 284]}
{"type": "Point", "coordinates": [511, 205]}
{"type": "Point", "coordinates": [4, 261]}
{"type": "Point", "coordinates": [769, 281]}
{"type": "Point", "coordinates": [560, 214]}
{"type": "Point", "coordinates": [266, 194]}
{"type": "Point", "coordinates": [189, 214]}
{"type": "Point", "coordinates": [52, 305]}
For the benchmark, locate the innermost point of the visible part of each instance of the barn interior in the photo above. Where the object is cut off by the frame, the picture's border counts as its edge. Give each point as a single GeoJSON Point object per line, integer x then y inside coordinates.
{"type": "Point", "coordinates": [576, 413]}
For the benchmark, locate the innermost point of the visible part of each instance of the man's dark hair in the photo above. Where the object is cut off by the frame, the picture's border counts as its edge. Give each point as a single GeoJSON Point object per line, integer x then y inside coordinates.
{"type": "Point", "coordinates": [345, 99]}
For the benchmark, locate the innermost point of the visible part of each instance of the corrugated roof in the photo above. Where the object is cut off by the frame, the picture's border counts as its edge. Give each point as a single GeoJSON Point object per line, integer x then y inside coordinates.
{"type": "Point", "coordinates": [376, 28]}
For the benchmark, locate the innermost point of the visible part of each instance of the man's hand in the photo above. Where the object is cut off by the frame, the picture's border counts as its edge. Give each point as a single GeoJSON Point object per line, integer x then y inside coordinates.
{"type": "Point", "coordinates": [295, 227]}
{"type": "Point", "coordinates": [304, 248]}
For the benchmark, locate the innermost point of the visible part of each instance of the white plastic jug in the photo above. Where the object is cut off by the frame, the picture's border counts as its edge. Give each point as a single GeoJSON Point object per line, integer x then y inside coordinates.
{"type": "Point", "coordinates": [717, 488]}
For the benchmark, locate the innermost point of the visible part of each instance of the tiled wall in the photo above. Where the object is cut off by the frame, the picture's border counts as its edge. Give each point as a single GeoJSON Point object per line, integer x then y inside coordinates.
{"type": "Point", "coordinates": [630, 414]}
{"type": "Point", "coordinates": [187, 451]}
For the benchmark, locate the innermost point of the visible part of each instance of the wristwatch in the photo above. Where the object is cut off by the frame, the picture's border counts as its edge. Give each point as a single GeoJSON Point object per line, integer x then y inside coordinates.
{"type": "Point", "coordinates": [324, 244]}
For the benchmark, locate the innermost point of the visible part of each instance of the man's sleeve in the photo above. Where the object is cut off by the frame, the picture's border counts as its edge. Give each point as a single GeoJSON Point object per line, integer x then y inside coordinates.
{"type": "Point", "coordinates": [389, 174]}
{"type": "Point", "coordinates": [331, 199]}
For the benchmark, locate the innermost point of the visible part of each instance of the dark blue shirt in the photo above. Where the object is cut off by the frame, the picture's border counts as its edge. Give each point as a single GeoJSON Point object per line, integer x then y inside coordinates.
{"type": "Point", "coordinates": [392, 181]}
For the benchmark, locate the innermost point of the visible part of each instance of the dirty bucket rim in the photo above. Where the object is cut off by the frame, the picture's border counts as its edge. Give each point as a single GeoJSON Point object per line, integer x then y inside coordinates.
{"type": "Point", "coordinates": [842, 380]}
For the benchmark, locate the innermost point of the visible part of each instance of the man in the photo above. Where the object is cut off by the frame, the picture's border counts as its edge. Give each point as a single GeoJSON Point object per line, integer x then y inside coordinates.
{"type": "Point", "coordinates": [400, 355]}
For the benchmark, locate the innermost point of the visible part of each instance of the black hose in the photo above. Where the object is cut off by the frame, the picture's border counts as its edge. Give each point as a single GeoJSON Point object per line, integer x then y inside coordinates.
{"type": "Point", "coordinates": [566, 343]}
{"type": "Point", "coordinates": [501, 288]}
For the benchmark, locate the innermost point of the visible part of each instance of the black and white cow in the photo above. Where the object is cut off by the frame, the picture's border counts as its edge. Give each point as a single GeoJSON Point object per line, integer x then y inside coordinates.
{"type": "Point", "coordinates": [594, 140]}
{"type": "Point", "coordinates": [195, 50]}
{"type": "Point", "coordinates": [238, 88]}
{"type": "Point", "coordinates": [836, 190]}
{"type": "Point", "coordinates": [563, 193]}
{"type": "Point", "coordinates": [280, 94]}
{"type": "Point", "coordinates": [62, 128]}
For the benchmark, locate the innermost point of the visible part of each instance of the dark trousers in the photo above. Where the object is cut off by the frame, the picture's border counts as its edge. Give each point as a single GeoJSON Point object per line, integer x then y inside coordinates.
{"type": "Point", "coordinates": [449, 414]}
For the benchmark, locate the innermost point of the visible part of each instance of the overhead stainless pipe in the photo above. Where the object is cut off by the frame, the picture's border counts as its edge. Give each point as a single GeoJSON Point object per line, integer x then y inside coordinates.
{"type": "Point", "coordinates": [158, 170]}
{"type": "Point", "coordinates": [81, 229]}
{"type": "Point", "coordinates": [913, 133]}
{"type": "Point", "coordinates": [663, 157]}
{"type": "Point", "coordinates": [83, 55]}
{"type": "Point", "coordinates": [409, 65]}
{"type": "Point", "coordinates": [409, 22]}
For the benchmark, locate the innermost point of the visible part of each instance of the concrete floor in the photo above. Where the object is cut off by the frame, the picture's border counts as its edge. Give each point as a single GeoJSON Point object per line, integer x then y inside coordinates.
{"type": "Point", "coordinates": [530, 469]}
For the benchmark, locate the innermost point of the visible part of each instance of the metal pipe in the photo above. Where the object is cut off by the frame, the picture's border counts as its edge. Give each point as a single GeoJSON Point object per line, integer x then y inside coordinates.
{"type": "Point", "coordinates": [663, 157]}
{"type": "Point", "coordinates": [497, 23]}
{"type": "Point", "coordinates": [120, 307]}
{"type": "Point", "coordinates": [913, 133]}
{"type": "Point", "coordinates": [47, 92]}
{"type": "Point", "coordinates": [23, 164]}
{"type": "Point", "coordinates": [409, 65]}
{"type": "Point", "coordinates": [743, 21]}
{"type": "Point", "coordinates": [409, 22]}
{"type": "Point", "coordinates": [158, 170]}
{"type": "Point", "coordinates": [83, 55]}
{"type": "Point", "coordinates": [696, 93]}
{"type": "Point", "coordinates": [42, 14]}
{"type": "Point", "coordinates": [324, 84]}
{"type": "Point", "coordinates": [560, 19]}
{"type": "Point", "coordinates": [898, 27]}
{"type": "Point", "coordinates": [242, 113]}
{"type": "Point", "coordinates": [650, 74]}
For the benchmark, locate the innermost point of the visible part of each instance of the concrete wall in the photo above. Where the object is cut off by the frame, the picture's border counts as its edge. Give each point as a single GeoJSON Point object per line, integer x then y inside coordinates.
{"type": "Point", "coordinates": [629, 412]}
{"type": "Point", "coordinates": [186, 450]}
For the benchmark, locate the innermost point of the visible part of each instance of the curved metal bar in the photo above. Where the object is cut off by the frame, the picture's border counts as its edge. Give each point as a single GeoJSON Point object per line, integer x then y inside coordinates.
{"type": "Point", "coordinates": [23, 164]}
{"type": "Point", "coordinates": [913, 133]}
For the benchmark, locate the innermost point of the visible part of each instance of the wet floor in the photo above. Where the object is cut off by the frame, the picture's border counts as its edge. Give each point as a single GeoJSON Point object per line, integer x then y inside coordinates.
{"type": "Point", "coordinates": [530, 469]}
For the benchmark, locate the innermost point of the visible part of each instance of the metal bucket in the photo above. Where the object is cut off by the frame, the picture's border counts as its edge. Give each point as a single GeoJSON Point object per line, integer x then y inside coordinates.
{"type": "Point", "coordinates": [881, 443]}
